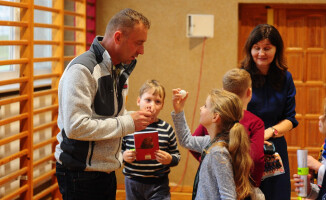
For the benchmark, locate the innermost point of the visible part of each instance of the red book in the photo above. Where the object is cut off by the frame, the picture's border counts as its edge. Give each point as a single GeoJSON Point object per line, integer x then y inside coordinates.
{"type": "Point", "coordinates": [146, 143]}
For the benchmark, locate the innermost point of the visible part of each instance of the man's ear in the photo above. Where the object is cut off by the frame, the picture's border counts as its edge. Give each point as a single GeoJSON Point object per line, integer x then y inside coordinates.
{"type": "Point", "coordinates": [138, 101]}
{"type": "Point", "coordinates": [117, 37]}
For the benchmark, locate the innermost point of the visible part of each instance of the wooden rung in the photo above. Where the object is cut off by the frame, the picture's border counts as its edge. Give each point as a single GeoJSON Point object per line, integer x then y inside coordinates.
{"type": "Point", "coordinates": [45, 8]}
{"type": "Point", "coordinates": [13, 100]}
{"type": "Point", "coordinates": [73, 43]}
{"type": "Point", "coordinates": [44, 76]}
{"type": "Point", "coordinates": [44, 126]}
{"type": "Point", "coordinates": [14, 80]}
{"type": "Point", "coordinates": [15, 193]}
{"type": "Point", "coordinates": [13, 119]}
{"type": "Point", "coordinates": [13, 138]}
{"type": "Point", "coordinates": [13, 23]}
{"type": "Point", "coordinates": [73, 28]}
{"type": "Point", "coordinates": [46, 109]}
{"type": "Point", "coordinates": [43, 160]}
{"type": "Point", "coordinates": [13, 42]}
{"type": "Point", "coordinates": [66, 58]}
{"type": "Point", "coordinates": [46, 42]}
{"type": "Point", "coordinates": [13, 175]}
{"type": "Point", "coordinates": [81, 1]}
{"type": "Point", "coordinates": [71, 13]}
{"type": "Point", "coordinates": [44, 143]}
{"type": "Point", "coordinates": [46, 191]}
{"type": "Point", "coordinates": [48, 174]}
{"type": "Point", "coordinates": [13, 157]}
{"type": "Point", "coordinates": [46, 59]}
{"type": "Point", "coordinates": [45, 92]}
{"type": "Point", "coordinates": [42, 25]}
{"type": "Point", "coordinates": [13, 62]}
{"type": "Point", "coordinates": [14, 4]}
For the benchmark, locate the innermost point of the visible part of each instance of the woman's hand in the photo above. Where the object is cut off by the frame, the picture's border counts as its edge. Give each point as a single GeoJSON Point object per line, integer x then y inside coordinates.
{"type": "Point", "coordinates": [268, 133]}
{"type": "Point", "coordinates": [268, 143]}
{"type": "Point", "coordinates": [178, 101]}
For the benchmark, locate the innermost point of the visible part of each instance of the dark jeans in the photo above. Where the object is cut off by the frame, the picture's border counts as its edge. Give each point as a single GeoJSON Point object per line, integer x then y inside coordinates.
{"type": "Point", "coordinates": [157, 190]}
{"type": "Point", "coordinates": [84, 185]}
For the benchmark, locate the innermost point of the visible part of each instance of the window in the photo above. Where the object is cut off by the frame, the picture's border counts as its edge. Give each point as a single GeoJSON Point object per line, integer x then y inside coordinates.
{"type": "Point", "coordinates": [42, 51]}
{"type": "Point", "coordinates": [9, 52]}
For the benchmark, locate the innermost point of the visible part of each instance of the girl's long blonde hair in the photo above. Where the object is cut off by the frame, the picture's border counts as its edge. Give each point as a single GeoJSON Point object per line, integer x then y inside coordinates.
{"type": "Point", "coordinates": [229, 108]}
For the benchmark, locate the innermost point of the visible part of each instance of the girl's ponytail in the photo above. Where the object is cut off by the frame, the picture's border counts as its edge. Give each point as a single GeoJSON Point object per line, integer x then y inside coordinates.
{"type": "Point", "coordinates": [239, 148]}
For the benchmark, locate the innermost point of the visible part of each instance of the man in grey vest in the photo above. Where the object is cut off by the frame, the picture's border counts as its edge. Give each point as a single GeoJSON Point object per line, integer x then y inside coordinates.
{"type": "Point", "coordinates": [92, 115]}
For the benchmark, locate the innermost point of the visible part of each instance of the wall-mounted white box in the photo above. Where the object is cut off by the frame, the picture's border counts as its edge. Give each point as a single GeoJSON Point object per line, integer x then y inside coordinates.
{"type": "Point", "coordinates": [200, 25]}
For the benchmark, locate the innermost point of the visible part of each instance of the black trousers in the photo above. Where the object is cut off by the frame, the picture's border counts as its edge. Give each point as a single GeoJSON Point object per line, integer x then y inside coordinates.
{"type": "Point", "coordinates": [84, 185]}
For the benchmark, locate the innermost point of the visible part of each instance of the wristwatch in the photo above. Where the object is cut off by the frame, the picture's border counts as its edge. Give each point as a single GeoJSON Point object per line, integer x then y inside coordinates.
{"type": "Point", "coordinates": [275, 132]}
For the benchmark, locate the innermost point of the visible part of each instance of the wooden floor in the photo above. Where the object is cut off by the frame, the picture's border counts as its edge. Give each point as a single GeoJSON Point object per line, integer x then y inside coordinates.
{"type": "Point", "coordinates": [121, 195]}
{"type": "Point", "coordinates": [177, 193]}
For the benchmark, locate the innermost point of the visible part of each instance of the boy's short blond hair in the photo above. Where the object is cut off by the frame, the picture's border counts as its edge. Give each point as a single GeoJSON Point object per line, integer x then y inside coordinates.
{"type": "Point", "coordinates": [237, 81]}
{"type": "Point", "coordinates": [156, 85]}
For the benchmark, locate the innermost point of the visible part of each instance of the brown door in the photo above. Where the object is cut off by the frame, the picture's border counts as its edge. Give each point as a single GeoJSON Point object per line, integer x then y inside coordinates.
{"type": "Point", "coordinates": [303, 29]}
{"type": "Point", "coordinates": [249, 17]}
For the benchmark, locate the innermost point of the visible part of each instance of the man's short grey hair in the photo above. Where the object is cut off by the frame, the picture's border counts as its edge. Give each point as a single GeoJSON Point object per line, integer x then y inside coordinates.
{"type": "Point", "coordinates": [125, 20]}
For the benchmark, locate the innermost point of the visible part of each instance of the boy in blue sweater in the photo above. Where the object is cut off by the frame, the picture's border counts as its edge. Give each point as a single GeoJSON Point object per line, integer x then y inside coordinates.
{"type": "Point", "coordinates": [148, 179]}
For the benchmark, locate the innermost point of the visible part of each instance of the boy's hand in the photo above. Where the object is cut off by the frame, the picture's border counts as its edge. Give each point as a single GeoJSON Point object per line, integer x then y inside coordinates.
{"type": "Point", "coordinates": [312, 163]}
{"type": "Point", "coordinates": [298, 183]}
{"type": "Point", "coordinates": [177, 100]}
{"type": "Point", "coordinates": [163, 157]}
{"type": "Point", "coordinates": [129, 156]}
{"type": "Point", "coordinates": [141, 119]}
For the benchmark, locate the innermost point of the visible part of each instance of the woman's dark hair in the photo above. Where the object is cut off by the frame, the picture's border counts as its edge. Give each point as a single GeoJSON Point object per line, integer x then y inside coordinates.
{"type": "Point", "coordinates": [277, 69]}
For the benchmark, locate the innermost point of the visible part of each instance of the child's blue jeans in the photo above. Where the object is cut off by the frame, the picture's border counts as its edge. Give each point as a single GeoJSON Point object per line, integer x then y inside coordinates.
{"type": "Point", "coordinates": [157, 190]}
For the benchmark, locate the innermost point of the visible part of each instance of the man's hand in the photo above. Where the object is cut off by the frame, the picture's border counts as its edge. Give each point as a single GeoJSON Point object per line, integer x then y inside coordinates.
{"type": "Point", "coordinates": [141, 119]}
{"type": "Point", "coordinates": [163, 157]}
{"type": "Point", "coordinates": [129, 156]}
